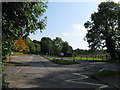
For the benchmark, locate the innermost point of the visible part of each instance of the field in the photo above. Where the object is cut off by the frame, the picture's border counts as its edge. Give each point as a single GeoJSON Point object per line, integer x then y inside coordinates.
{"type": "Point", "coordinates": [97, 57]}
{"type": "Point", "coordinates": [85, 58]}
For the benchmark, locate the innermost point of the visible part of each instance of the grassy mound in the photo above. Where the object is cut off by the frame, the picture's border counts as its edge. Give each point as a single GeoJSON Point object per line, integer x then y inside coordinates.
{"type": "Point", "coordinates": [61, 61]}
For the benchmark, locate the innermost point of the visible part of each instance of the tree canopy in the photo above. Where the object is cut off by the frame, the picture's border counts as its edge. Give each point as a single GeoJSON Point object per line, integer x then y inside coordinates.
{"type": "Point", "coordinates": [55, 46]}
{"type": "Point", "coordinates": [19, 45]}
{"type": "Point", "coordinates": [21, 19]}
{"type": "Point", "coordinates": [104, 28]}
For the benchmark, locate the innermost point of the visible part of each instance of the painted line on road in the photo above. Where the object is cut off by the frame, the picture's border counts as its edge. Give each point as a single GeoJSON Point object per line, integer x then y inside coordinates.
{"type": "Point", "coordinates": [101, 86]}
{"type": "Point", "coordinates": [22, 67]}
{"type": "Point", "coordinates": [83, 76]}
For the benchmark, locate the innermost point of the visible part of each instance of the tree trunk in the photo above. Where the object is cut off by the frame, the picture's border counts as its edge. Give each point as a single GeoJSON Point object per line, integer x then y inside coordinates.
{"type": "Point", "coordinates": [111, 47]}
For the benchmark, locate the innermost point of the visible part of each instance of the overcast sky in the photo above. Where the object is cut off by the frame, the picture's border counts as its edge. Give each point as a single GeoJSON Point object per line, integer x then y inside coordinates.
{"type": "Point", "coordinates": [66, 20]}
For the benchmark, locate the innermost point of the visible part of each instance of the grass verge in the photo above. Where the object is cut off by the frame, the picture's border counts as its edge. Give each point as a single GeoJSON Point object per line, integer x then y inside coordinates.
{"type": "Point", "coordinates": [13, 64]}
{"type": "Point", "coordinates": [106, 73]}
{"type": "Point", "coordinates": [60, 61]}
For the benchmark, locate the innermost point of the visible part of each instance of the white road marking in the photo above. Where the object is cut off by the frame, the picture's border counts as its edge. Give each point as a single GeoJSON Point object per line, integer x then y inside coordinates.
{"type": "Point", "coordinates": [101, 86]}
{"type": "Point", "coordinates": [83, 76]}
{"type": "Point", "coordinates": [22, 67]}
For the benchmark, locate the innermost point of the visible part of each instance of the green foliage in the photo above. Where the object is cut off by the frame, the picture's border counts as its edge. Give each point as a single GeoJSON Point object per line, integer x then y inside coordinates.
{"type": "Point", "coordinates": [104, 30]}
{"type": "Point", "coordinates": [14, 64]}
{"type": "Point", "coordinates": [64, 62]}
{"type": "Point", "coordinates": [17, 53]}
{"type": "Point", "coordinates": [55, 47]}
{"type": "Point", "coordinates": [106, 73]}
{"type": "Point", "coordinates": [37, 46]}
{"type": "Point", "coordinates": [60, 61]}
{"type": "Point", "coordinates": [84, 58]}
{"type": "Point", "coordinates": [4, 84]}
{"type": "Point", "coordinates": [66, 49]}
{"type": "Point", "coordinates": [34, 46]}
{"type": "Point", "coordinates": [46, 45]}
{"type": "Point", "coordinates": [21, 19]}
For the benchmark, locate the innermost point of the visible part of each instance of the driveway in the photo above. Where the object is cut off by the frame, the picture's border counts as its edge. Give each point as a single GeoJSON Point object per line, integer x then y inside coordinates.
{"type": "Point", "coordinates": [41, 73]}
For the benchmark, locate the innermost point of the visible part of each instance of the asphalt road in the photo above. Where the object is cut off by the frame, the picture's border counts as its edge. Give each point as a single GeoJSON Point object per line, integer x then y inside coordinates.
{"type": "Point", "coordinates": [41, 73]}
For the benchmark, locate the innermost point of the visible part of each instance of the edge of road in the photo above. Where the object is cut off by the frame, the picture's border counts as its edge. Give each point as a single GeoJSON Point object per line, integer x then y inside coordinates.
{"type": "Point", "coordinates": [105, 81]}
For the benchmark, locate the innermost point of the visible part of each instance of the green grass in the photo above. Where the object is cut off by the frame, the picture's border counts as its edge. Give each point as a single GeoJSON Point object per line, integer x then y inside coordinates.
{"type": "Point", "coordinates": [14, 53]}
{"type": "Point", "coordinates": [60, 61]}
{"type": "Point", "coordinates": [13, 64]}
{"type": "Point", "coordinates": [17, 53]}
{"type": "Point", "coordinates": [106, 73]}
{"type": "Point", "coordinates": [84, 58]}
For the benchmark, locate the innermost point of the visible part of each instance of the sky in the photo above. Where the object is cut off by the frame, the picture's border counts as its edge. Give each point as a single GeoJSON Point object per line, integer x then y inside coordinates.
{"type": "Point", "coordinates": [66, 20]}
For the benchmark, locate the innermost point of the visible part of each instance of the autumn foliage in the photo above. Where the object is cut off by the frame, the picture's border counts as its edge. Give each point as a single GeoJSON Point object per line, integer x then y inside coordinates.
{"type": "Point", "coordinates": [19, 45]}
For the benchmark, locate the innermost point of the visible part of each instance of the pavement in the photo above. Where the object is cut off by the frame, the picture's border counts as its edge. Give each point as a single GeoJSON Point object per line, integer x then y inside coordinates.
{"type": "Point", "coordinates": [42, 73]}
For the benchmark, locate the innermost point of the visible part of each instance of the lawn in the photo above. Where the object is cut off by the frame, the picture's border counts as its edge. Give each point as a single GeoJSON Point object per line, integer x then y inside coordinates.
{"type": "Point", "coordinates": [85, 58]}
{"type": "Point", "coordinates": [60, 61]}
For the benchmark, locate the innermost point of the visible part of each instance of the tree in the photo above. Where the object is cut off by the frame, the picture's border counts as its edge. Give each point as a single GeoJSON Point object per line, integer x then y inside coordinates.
{"type": "Point", "coordinates": [34, 46]}
{"type": "Point", "coordinates": [19, 45]}
{"type": "Point", "coordinates": [37, 47]}
{"type": "Point", "coordinates": [21, 19]}
{"type": "Point", "coordinates": [46, 45]}
{"type": "Point", "coordinates": [57, 42]}
{"type": "Point", "coordinates": [66, 49]}
{"type": "Point", "coordinates": [104, 28]}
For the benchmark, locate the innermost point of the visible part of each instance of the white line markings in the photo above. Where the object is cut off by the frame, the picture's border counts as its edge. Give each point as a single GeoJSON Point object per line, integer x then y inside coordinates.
{"type": "Point", "coordinates": [23, 66]}
{"type": "Point", "coordinates": [85, 77]}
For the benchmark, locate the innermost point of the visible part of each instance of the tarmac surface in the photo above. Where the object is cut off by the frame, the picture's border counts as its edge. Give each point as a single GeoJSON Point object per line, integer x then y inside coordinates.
{"type": "Point", "coordinates": [42, 73]}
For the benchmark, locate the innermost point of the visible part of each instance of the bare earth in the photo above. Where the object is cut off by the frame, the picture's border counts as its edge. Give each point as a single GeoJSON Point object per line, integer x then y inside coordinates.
{"type": "Point", "coordinates": [41, 73]}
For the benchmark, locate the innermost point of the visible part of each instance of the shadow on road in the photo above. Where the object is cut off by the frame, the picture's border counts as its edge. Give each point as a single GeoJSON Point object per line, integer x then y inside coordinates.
{"type": "Point", "coordinates": [65, 79]}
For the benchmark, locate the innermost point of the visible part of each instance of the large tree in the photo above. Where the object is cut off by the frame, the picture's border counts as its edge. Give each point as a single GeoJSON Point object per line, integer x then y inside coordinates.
{"type": "Point", "coordinates": [46, 45]}
{"type": "Point", "coordinates": [104, 28]}
{"type": "Point", "coordinates": [57, 46]}
{"type": "Point", "coordinates": [66, 49]}
{"type": "Point", "coordinates": [21, 19]}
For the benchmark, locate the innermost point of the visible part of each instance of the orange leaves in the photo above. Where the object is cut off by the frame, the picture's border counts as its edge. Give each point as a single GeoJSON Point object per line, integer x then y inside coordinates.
{"type": "Point", "coordinates": [20, 45]}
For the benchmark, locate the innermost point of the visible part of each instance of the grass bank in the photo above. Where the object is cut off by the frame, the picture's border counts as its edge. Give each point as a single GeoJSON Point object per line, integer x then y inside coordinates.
{"type": "Point", "coordinates": [13, 64]}
{"type": "Point", "coordinates": [106, 73]}
{"type": "Point", "coordinates": [61, 61]}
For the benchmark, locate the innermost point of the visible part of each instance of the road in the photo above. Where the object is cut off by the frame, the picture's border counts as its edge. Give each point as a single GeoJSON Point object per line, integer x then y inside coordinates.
{"type": "Point", "coordinates": [41, 73]}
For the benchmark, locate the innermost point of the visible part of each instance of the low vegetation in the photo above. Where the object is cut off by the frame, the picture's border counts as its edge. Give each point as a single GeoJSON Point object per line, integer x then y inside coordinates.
{"type": "Point", "coordinates": [13, 64]}
{"type": "Point", "coordinates": [84, 58]}
{"type": "Point", "coordinates": [17, 53]}
{"type": "Point", "coordinates": [106, 73]}
{"type": "Point", "coordinates": [61, 61]}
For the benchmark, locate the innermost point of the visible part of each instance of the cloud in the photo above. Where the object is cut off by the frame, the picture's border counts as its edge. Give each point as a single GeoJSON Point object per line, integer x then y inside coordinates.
{"type": "Point", "coordinates": [79, 27]}
{"type": "Point", "coordinates": [65, 34]}
{"type": "Point", "coordinates": [77, 30]}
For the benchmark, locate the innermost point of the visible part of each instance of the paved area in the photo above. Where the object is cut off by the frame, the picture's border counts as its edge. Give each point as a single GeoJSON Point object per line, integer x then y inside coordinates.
{"type": "Point", "coordinates": [41, 73]}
